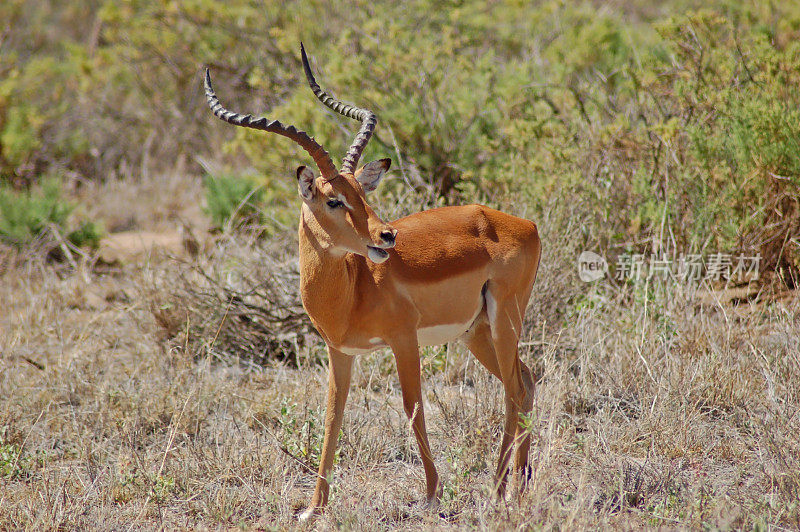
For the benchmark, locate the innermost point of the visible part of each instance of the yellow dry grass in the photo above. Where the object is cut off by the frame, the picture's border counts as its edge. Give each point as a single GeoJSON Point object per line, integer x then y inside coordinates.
{"type": "Point", "coordinates": [656, 408]}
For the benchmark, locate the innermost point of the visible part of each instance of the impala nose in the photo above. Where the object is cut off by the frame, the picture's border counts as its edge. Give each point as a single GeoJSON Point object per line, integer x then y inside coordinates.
{"type": "Point", "coordinates": [388, 237]}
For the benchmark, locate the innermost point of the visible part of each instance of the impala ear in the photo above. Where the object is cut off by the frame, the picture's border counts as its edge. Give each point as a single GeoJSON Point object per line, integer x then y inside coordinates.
{"type": "Point", "coordinates": [371, 174]}
{"type": "Point", "coordinates": [305, 182]}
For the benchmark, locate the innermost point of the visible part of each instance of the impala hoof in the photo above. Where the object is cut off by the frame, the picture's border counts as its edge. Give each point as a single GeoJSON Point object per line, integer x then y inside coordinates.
{"type": "Point", "coordinates": [500, 491]}
{"type": "Point", "coordinates": [308, 514]}
{"type": "Point", "coordinates": [431, 503]}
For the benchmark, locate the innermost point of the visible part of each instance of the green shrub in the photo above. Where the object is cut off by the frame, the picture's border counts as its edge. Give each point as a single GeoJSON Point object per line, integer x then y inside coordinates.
{"type": "Point", "coordinates": [300, 433]}
{"type": "Point", "coordinates": [232, 201]}
{"type": "Point", "coordinates": [26, 215]}
{"type": "Point", "coordinates": [735, 173]}
{"type": "Point", "coordinates": [654, 119]}
{"type": "Point", "coordinates": [690, 140]}
{"type": "Point", "coordinates": [88, 233]}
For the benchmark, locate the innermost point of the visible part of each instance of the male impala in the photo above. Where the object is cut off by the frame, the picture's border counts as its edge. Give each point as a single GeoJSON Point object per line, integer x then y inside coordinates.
{"type": "Point", "coordinates": [432, 277]}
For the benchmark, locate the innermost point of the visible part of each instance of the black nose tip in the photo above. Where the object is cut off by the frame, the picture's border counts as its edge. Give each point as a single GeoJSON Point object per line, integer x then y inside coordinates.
{"type": "Point", "coordinates": [388, 236]}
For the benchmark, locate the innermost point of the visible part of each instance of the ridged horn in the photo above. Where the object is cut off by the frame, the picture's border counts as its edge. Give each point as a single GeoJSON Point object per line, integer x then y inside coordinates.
{"type": "Point", "coordinates": [367, 118]}
{"type": "Point", "coordinates": [314, 149]}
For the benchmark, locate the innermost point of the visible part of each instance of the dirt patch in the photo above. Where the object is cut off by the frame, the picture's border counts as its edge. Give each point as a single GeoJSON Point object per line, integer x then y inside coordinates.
{"type": "Point", "coordinates": [131, 247]}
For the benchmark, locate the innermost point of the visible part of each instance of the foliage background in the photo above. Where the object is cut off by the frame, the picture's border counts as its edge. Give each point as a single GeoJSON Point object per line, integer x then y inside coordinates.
{"type": "Point", "coordinates": [675, 118]}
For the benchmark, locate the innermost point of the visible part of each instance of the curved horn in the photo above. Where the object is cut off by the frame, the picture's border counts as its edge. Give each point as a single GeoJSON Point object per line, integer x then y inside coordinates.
{"type": "Point", "coordinates": [367, 117]}
{"type": "Point", "coordinates": [314, 149]}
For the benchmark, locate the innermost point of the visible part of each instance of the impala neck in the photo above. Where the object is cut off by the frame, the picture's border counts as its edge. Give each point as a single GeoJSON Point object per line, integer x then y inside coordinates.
{"type": "Point", "coordinates": [327, 281]}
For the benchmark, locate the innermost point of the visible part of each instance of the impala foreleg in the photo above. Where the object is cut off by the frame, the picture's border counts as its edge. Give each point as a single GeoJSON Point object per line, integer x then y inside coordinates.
{"type": "Point", "coordinates": [339, 370]}
{"type": "Point", "coordinates": [408, 369]}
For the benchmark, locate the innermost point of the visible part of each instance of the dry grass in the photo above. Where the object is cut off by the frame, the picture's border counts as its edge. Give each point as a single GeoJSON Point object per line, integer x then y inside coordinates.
{"type": "Point", "coordinates": [656, 407]}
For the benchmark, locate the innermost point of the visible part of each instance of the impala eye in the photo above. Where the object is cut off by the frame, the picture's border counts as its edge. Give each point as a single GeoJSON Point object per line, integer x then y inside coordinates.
{"type": "Point", "coordinates": [334, 203]}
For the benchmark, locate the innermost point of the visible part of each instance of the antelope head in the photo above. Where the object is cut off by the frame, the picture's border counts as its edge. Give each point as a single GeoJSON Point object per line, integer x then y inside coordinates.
{"type": "Point", "coordinates": [335, 209]}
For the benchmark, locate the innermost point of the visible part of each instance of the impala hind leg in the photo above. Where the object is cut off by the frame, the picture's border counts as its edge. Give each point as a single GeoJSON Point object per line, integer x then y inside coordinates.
{"type": "Point", "coordinates": [523, 437]}
{"type": "Point", "coordinates": [478, 340]}
{"type": "Point", "coordinates": [340, 367]}
{"type": "Point", "coordinates": [406, 354]}
{"type": "Point", "coordinates": [505, 321]}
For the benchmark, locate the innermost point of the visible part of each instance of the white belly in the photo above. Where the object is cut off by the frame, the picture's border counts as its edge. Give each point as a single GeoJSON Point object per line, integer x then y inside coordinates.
{"type": "Point", "coordinates": [441, 334]}
{"type": "Point", "coordinates": [436, 335]}
{"type": "Point", "coordinates": [375, 343]}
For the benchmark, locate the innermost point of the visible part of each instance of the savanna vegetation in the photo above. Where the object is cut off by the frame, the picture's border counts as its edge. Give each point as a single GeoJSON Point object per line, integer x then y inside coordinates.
{"type": "Point", "coordinates": [157, 369]}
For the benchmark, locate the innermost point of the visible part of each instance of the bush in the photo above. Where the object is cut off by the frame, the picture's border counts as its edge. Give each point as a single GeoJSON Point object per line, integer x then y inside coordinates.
{"type": "Point", "coordinates": [26, 216]}
{"type": "Point", "coordinates": [244, 201]}
{"type": "Point", "coordinates": [232, 201]}
{"type": "Point", "coordinates": [690, 142]}
{"type": "Point", "coordinates": [684, 125]}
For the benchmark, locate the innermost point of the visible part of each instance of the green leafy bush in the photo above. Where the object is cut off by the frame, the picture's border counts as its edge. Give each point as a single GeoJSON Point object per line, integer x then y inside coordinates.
{"type": "Point", "coordinates": [26, 215]}
{"type": "Point", "coordinates": [232, 201]}
{"type": "Point", "coordinates": [690, 141]}
{"type": "Point", "coordinates": [655, 119]}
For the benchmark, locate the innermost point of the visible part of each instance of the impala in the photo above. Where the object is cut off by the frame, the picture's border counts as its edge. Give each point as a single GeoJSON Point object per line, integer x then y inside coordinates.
{"type": "Point", "coordinates": [435, 276]}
